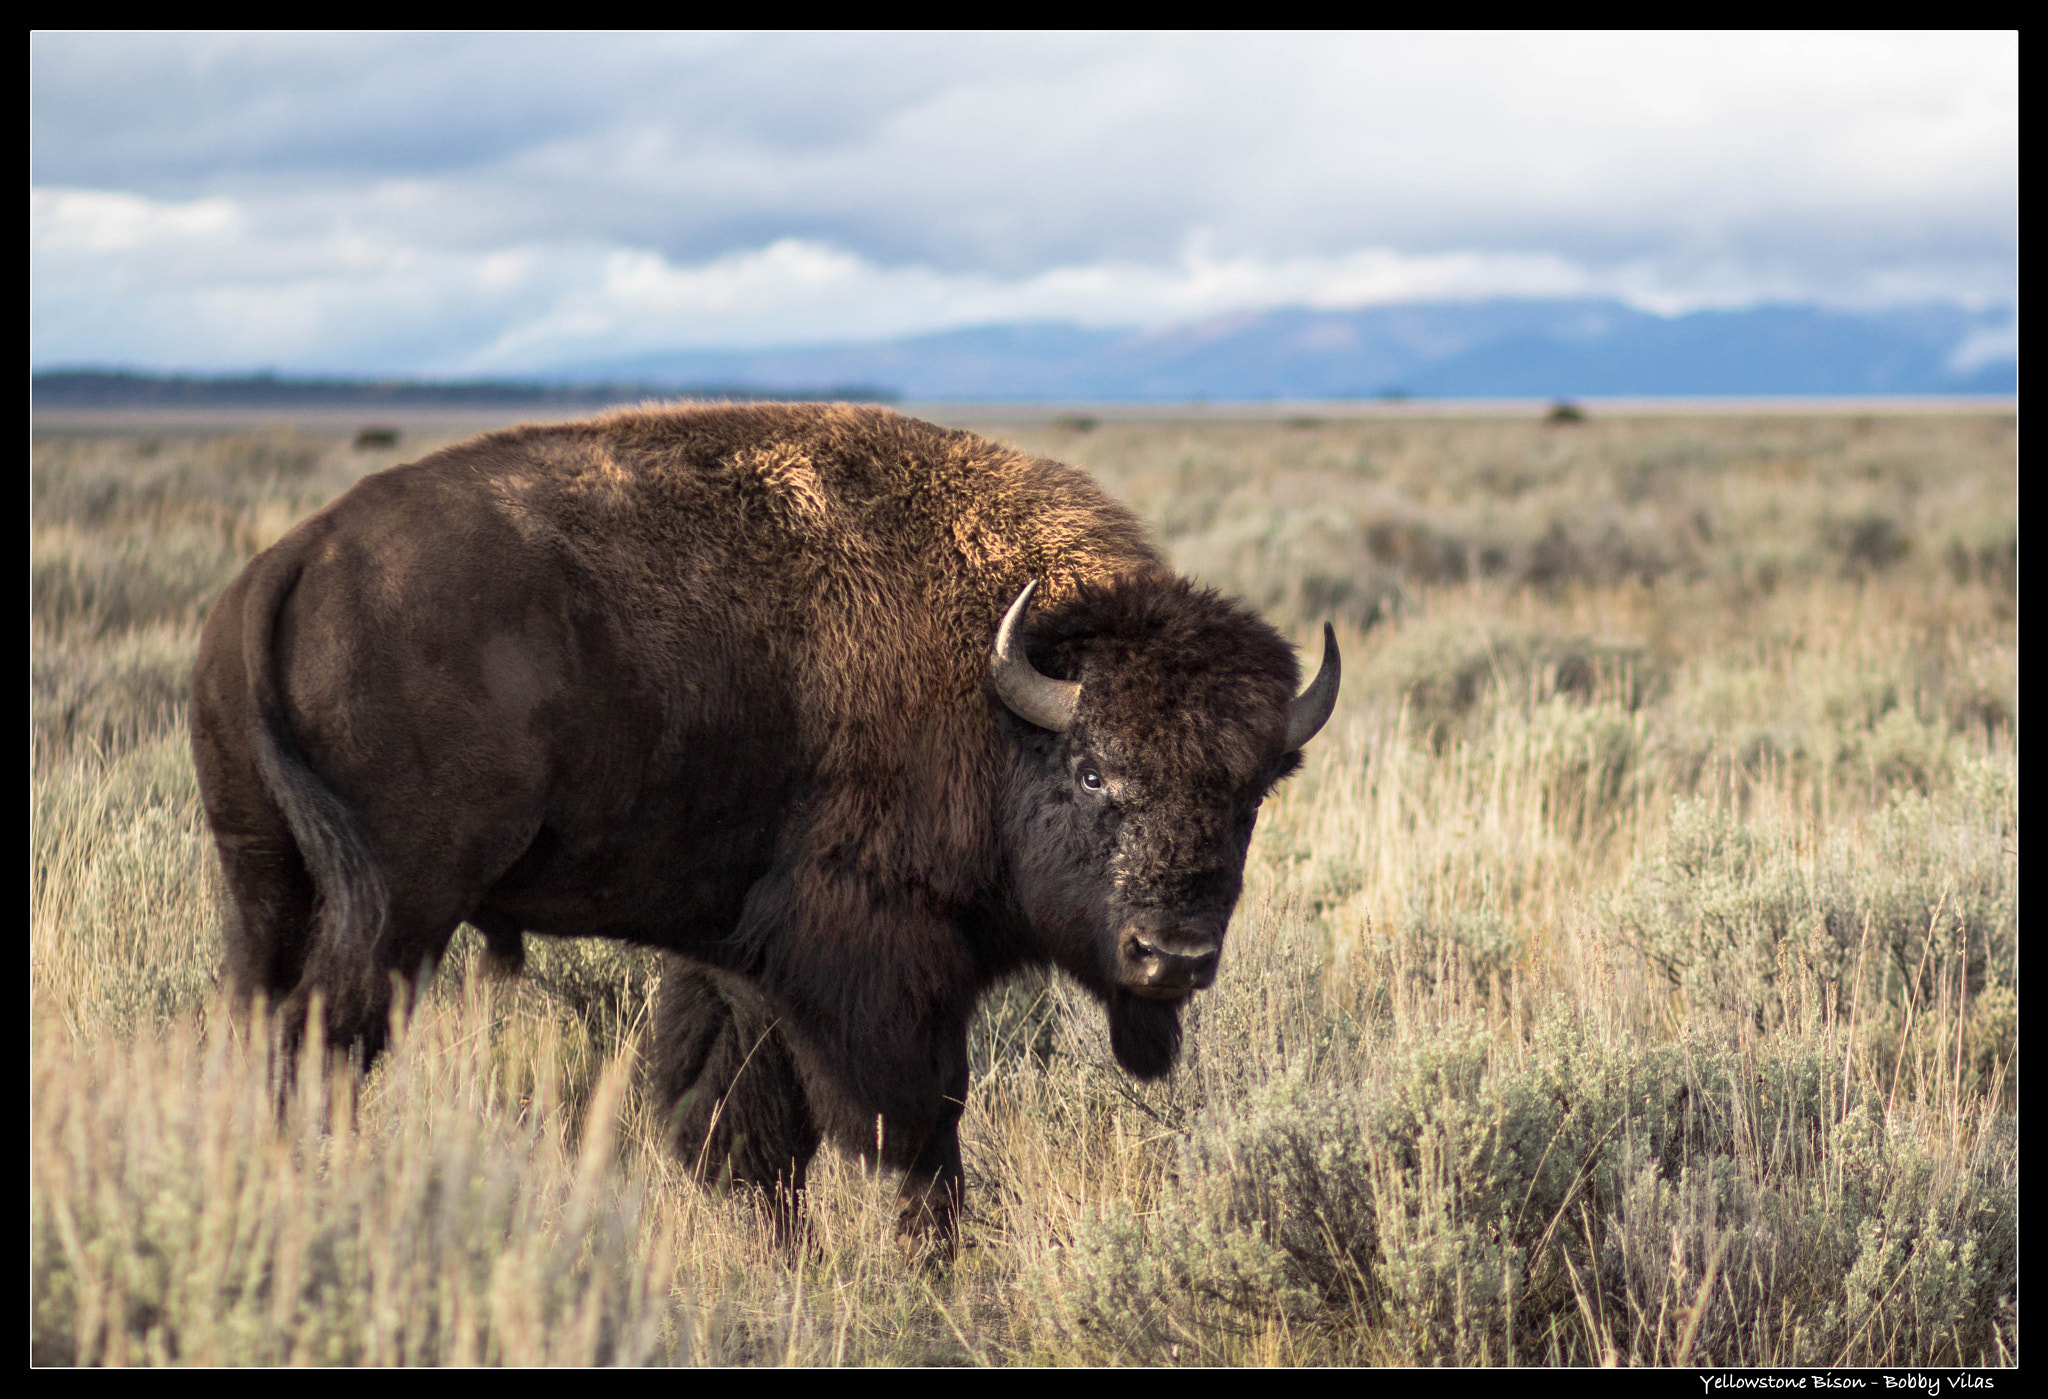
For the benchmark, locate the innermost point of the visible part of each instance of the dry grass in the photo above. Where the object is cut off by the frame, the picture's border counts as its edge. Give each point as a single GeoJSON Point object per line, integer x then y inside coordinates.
{"type": "Point", "coordinates": [1630, 976]}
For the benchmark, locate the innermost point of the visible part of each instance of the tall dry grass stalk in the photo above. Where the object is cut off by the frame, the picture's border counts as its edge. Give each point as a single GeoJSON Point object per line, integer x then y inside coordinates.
{"type": "Point", "coordinates": [1630, 977]}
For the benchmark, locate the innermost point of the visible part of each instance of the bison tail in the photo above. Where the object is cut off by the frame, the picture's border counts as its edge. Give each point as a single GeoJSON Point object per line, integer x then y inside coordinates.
{"type": "Point", "coordinates": [353, 910]}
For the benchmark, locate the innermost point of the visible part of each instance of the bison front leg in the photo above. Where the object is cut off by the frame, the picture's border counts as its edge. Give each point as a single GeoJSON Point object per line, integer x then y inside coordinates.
{"type": "Point", "coordinates": [928, 1201]}
{"type": "Point", "coordinates": [723, 1079]}
{"type": "Point", "coordinates": [928, 1213]}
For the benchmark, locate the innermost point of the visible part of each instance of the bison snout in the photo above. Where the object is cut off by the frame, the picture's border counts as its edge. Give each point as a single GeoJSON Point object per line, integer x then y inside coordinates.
{"type": "Point", "coordinates": [1166, 960]}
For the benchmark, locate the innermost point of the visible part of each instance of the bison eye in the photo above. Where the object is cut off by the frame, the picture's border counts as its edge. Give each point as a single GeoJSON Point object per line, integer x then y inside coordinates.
{"type": "Point", "coordinates": [1091, 779]}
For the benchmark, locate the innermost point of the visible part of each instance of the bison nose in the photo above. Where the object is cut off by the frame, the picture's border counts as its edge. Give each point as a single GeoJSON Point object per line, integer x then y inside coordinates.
{"type": "Point", "coordinates": [1168, 960]}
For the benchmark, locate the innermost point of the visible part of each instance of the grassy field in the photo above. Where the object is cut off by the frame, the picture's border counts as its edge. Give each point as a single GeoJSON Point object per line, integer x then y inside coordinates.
{"type": "Point", "coordinates": [1630, 976]}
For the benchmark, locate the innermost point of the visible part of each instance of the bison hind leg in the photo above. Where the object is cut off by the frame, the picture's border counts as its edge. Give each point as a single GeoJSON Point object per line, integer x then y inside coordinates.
{"type": "Point", "coordinates": [729, 1090]}
{"type": "Point", "coordinates": [266, 917]}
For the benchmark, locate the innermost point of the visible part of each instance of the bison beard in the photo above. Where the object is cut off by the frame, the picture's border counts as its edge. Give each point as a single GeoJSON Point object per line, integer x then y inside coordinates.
{"type": "Point", "coordinates": [1144, 1035]}
{"type": "Point", "coordinates": [764, 688]}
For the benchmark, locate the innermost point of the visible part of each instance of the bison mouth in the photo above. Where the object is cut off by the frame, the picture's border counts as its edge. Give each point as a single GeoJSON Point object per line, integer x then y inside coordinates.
{"type": "Point", "coordinates": [1165, 958]}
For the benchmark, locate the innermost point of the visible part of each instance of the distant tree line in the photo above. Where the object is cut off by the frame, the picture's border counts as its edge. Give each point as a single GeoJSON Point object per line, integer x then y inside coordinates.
{"type": "Point", "coordinates": [101, 388]}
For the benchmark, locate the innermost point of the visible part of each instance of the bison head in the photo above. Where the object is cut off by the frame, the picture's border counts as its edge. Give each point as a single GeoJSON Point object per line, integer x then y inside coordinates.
{"type": "Point", "coordinates": [1151, 718]}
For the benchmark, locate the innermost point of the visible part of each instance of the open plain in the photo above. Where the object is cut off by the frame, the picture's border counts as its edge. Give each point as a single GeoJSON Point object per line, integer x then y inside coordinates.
{"type": "Point", "coordinates": [1630, 976]}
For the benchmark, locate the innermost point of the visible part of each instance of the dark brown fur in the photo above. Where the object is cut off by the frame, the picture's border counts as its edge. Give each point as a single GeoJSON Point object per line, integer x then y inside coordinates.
{"type": "Point", "coordinates": [713, 680]}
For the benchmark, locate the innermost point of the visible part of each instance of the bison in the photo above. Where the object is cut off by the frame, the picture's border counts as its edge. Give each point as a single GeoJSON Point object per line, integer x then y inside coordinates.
{"type": "Point", "coordinates": [849, 714]}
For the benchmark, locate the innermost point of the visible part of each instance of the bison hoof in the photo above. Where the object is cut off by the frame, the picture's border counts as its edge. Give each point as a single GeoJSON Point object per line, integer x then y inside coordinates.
{"type": "Point", "coordinates": [495, 965]}
{"type": "Point", "coordinates": [928, 1237]}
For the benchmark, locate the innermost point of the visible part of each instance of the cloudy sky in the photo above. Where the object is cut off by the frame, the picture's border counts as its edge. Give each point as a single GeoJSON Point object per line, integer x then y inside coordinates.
{"type": "Point", "coordinates": [500, 204]}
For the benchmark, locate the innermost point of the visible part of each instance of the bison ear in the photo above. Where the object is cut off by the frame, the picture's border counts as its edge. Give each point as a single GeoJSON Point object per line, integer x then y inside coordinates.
{"type": "Point", "coordinates": [1143, 1034]}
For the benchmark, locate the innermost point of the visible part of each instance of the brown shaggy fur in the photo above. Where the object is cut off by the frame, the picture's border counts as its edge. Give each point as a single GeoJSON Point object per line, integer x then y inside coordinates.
{"type": "Point", "coordinates": [713, 680]}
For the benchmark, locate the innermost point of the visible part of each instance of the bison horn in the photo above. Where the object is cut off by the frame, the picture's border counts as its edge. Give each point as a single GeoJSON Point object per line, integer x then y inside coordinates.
{"type": "Point", "coordinates": [1311, 709]}
{"type": "Point", "coordinates": [1038, 699]}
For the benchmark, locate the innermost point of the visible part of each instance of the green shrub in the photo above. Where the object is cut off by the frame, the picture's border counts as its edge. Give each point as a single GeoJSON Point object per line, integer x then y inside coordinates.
{"type": "Point", "coordinates": [1468, 1201]}
{"type": "Point", "coordinates": [1268, 1218]}
{"type": "Point", "coordinates": [1906, 920]}
{"type": "Point", "coordinates": [176, 1217]}
{"type": "Point", "coordinates": [1447, 672]}
{"type": "Point", "coordinates": [109, 695]}
{"type": "Point", "coordinates": [104, 584]}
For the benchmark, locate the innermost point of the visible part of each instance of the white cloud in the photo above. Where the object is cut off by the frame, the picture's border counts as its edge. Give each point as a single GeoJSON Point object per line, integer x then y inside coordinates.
{"type": "Point", "coordinates": [120, 279]}
{"type": "Point", "coordinates": [202, 284]}
{"type": "Point", "coordinates": [509, 201]}
{"type": "Point", "coordinates": [1990, 345]}
{"type": "Point", "coordinates": [68, 221]}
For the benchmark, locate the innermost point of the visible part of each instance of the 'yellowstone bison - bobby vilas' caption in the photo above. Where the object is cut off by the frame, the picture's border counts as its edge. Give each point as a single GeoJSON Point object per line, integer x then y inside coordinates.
{"type": "Point", "coordinates": [850, 714]}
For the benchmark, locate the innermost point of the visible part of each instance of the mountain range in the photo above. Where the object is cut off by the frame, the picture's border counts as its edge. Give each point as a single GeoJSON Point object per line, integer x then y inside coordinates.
{"type": "Point", "coordinates": [1563, 348]}
{"type": "Point", "coordinates": [1487, 349]}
